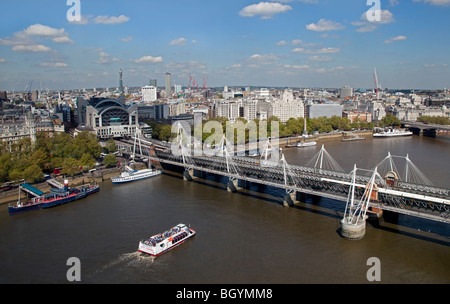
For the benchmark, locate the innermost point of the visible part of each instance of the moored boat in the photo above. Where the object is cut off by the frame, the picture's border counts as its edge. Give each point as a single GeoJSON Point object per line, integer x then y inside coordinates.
{"type": "Point", "coordinates": [161, 243]}
{"type": "Point", "coordinates": [130, 175]}
{"type": "Point", "coordinates": [393, 133]}
{"type": "Point", "coordinates": [303, 144]}
{"type": "Point", "coordinates": [55, 198]}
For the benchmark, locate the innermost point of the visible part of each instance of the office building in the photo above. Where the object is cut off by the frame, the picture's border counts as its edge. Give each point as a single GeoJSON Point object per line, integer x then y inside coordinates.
{"type": "Point", "coordinates": [149, 94]}
{"type": "Point", "coordinates": [328, 109]}
{"type": "Point", "coordinates": [168, 84]}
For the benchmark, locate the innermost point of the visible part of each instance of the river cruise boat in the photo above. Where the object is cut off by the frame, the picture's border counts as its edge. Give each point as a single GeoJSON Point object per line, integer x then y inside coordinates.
{"type": "Point", "coordinates": [161, 243]}
{"type": "Point", "coordinates": [55, 198]}
{"type": "Point", "coordinates": [304, 144]}
{"type": "Point", "coordinates": [393, 133]}
{"type": "Point", "coordinates": [130, 175]}
{"type": "Point", "coordinates": [66, 195]}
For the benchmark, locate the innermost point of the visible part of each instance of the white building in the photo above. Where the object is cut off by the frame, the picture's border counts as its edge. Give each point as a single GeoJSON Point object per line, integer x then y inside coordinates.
{"type": "Point", "coordinates": [287, 106]}
{"type": "Point", "coordinates": [346, 92]}
{"type": "Point", "coordinates": [149, 94]}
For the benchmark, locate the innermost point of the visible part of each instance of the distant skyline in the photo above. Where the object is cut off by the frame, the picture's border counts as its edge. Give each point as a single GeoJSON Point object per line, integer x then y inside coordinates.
{"type": "Point", "coordinates": [286, 43]}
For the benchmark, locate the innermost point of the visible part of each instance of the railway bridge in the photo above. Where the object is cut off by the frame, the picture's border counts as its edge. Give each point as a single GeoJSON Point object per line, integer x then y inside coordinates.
{"type": "Point", "coordinates": [363, 191]}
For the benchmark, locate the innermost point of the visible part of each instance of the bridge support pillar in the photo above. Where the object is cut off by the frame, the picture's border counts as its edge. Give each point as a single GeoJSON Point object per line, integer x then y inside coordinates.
{"type": "Point", "coordinates": [233, 185]}
{"type": "Point", "coordinates": [290, 199]}
{"type": "Point", "coordinates": [188, 174]}
{"type": "Point", "coordinates": [429, 132]}
{"type": "Point", "coordinates": [351, 230]}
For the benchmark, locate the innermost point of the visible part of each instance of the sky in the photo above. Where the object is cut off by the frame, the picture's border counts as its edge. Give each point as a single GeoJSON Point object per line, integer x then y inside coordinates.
{"type": "Point", "coordinates": [284, 43]}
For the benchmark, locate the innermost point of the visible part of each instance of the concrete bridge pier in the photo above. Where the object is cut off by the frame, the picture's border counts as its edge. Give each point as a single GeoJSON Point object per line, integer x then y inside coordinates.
{"type": "Point", "coordinates": [352, 230]}
{"type": "Point", "coordinates": [290, 199]}
{"type": "Point", "coordinates": [188, 175]}
{"type": "Point", "coordinates": [233, 185]}
{"type": "Point", "coordinates": [429, 132]}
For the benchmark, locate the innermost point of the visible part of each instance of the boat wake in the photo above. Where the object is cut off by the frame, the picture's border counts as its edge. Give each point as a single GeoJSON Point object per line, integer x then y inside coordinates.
{"type": "Point", "coordinates": [133, 259]}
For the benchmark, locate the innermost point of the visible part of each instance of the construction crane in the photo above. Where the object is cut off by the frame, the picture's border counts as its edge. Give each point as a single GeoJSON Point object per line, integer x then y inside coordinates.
{"type": "Point", "coordinates": [28, 90]}
{"type": "Point", "coordinates": [190, 80]}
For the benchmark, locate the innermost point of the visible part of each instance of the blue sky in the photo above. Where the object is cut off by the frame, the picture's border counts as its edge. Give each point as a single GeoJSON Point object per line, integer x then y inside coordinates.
{"type": "Point", "coordinates": [294, 43]}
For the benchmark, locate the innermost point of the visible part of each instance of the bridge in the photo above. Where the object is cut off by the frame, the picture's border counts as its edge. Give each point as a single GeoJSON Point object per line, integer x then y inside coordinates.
{"type": "Point", "coordinates": [427, 129]}
{"type": "Point", "coordinates": [384, 187]}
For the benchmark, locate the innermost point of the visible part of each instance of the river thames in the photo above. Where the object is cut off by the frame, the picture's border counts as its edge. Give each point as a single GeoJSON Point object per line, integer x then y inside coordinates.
{"type": "Point", "coordinates": [247, 237]}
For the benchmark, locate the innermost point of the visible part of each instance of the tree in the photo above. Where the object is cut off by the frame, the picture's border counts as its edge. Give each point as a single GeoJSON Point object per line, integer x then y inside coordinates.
{"type": "Point", "coordinates": [390, 121]}
{"type": "Point", "coordinates": [33, 174]}
{"type": "Point", "coordinates": [110, 160]}
{"type": "Point", "coordinates": [110, 146]}
{"type": "Point", "coordinates": [70, 166]}
{"type": "Point", "coordinates": [165, 132]}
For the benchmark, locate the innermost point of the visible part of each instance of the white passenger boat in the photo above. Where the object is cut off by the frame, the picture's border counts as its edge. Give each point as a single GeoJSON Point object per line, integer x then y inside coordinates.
{"type": "Point", "coordinates": [130, 175]}
{"type": "Point", "coordinates": [161, 243]}
{"type": "Point", "coordinates": [306, 144]}
{"type": "Point", "coordinates": [393, 133]}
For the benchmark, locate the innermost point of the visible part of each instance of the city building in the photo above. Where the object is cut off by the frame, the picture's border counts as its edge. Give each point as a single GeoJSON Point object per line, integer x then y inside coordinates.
{"type": "Point", "coordinates": [354, 115]}
{"type": "Point", "coordinates": [287, 106]}
{"type": "Point", "coordinates": [168, 84]}
{"type": "Point", "coordinates": [326, 109]}
{"type": "Point", "coordinates": [345, 92]}
{"type": "Point", "coordinates": [153, 112]}
{"type": "Point", "coordinates": [149, 94]}
{"type": "Point", "coordinates": [109, 118]}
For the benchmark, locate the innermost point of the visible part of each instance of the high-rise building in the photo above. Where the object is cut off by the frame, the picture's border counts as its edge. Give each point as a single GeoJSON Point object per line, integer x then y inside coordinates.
{"type": "Point", "coordinates": [148, 94]}
{"type": "Point", "coordinates": [153, 83]}
{"type": "Point", "coordinates": [346, 92]}
{"type": "Point", "coordinates": [168, 84]}
{"type": "Point", "coordinates": [121, 81]}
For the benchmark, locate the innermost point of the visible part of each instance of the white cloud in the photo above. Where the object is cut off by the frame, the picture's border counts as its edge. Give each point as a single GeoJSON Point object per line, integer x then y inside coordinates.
{"type": "Point", "coordinates": [53, 64]}
{"type": "Point", "coordinates": [263, 58]}
{"type": "Point", "coordinates": [111, 20]}
{"type": "Point", "coordinates": [39, 30]}
{"type": "Point", "coordinates": [328, 50]}
{"type": "Point", "coordinates": [2, 60]}
{"type": "Point", "coordinates": [435, 2]}
{"type": "Point", "coordinates": [325, 25]}
{"type": "Point", "coordinates": [180, 41]}
{"type": "Point", "coordinates": [33, 48]}
{"type": "Point", "coordinates": [395, 39]}
{"type": "Point", "coordinates": [320, 58]}
{"type": "Point", "coordinates": [365, 25]}
{"type": "Point", "coordinates": [127, 39]}
{"type": "Point", "coordinates": [297, 67]}
{"type": "Point", "coordinates": [105, 58]}
{"type": "Point", "coordinates": [264, 9]}
{"type": "Point", "coordinates": [149, 59]}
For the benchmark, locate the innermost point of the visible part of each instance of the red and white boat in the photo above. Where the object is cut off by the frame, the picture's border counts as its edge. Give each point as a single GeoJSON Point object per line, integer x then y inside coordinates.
{"type": "Point", "coordinates": [161, 243]}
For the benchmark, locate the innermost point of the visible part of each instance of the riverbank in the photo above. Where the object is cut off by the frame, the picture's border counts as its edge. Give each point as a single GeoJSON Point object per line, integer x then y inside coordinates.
{"type": "Point", "coordinates": [322, 137]}
{"type": "Point", "coordinates": [95, 177]}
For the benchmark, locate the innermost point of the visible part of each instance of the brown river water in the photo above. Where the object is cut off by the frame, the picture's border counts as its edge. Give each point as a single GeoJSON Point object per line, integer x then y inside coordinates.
{"type": "Point", "coordinates": [246, 237]}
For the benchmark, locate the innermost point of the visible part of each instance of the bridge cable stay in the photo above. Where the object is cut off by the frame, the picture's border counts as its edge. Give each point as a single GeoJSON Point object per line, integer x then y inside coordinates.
{"type": "Point", "coordinates": [323, 161]}
{"type": "Point", "coordinates": [182, 140]}
{"type": "Point", "coordinates": [224, 148]}
{"type": "Point", "coordinates": [269, 150]}
{"type": "Point", "coordinates": [411, 173]}
{"type": "Point", "coordinates": [137, 138]}
{"type": "Point", "coordinates": [288, 175]}
{"type": "Point", "coordinates": [356, 212]}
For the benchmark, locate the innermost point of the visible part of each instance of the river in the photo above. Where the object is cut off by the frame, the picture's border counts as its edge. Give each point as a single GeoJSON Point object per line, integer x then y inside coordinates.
{"type": "Point", "coordinates": [246, 237]}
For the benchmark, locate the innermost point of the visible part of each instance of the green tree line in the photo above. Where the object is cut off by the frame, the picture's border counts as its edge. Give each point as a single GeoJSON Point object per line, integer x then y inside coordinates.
{"type": "Point", "coordinates": [440, 120]}
{"type": "Point", "coordinates": [294, 126]}
{"type": "Point", "coordinates": [26, 161]}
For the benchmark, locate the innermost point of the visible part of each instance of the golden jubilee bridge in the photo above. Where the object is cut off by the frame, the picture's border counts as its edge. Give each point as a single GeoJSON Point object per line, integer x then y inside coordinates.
{"type": "Point", "coordinates": [384, 187]}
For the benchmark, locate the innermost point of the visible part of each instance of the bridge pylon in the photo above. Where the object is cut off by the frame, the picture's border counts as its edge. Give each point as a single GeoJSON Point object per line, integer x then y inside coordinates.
{"type": "Point", "coordinates": [353, 224]}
